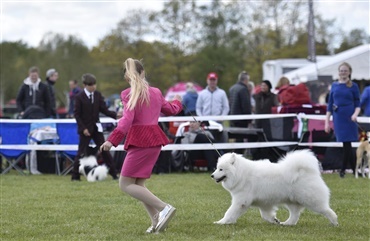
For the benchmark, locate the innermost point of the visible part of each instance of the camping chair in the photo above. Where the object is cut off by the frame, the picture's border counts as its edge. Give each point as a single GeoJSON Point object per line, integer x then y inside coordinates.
{"type": "Point", "coordinates": [68, 135]}
{"type": "Point", "coordinates": [181, 159]}
{"type": "Point", "coordinates": [41, 133]}
{"type": "Point", "coordinates": [16, 134]}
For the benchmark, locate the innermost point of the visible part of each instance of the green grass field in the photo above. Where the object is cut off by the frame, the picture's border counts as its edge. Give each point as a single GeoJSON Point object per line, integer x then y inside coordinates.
{"type": "Point", "coordinates": [50, 207]}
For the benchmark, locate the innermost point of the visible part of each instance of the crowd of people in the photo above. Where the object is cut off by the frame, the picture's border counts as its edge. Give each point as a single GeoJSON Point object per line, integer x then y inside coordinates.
{"type": "Point", "coordinates": [37, 99]}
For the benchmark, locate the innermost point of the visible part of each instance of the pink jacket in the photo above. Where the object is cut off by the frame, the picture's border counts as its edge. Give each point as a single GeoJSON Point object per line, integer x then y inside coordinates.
{"type": "Point", "coordinates": [141, 124]}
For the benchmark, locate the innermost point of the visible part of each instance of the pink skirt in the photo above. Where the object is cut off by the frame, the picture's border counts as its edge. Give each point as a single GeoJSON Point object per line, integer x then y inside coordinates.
{"type": "Point", "coordinates": [139, 161]}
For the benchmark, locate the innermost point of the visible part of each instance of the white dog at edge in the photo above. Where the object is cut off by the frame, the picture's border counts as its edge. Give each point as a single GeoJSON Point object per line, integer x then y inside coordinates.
{"type": "Point", "coordinates": [295, 181]}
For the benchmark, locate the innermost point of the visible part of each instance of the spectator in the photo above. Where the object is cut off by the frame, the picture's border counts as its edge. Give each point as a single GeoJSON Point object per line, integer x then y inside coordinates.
{"type": "Point", "coordinates": [344, 105]}
{"type": "Point", "coordinates": [265, 100]}
{"type": "Point", "coordinates": [240, 104]}
{"type": "Point", "coordinates": [365, 101]}
{"type": "Point", "coordinates": [33, 99]}
{"type": "Point", "coordinates": [144, 139]}
{"type": "Point", "coordinates": [212, 100]}
{"type": "Point", "coordinates": [283, 81]}
{"type": "Point", "coordinates": [51, 78]}
{"type": "Point", "coordinates": [190, 99]}
{"type": "Point", "coordinates": [251, 87]}
{"type": "Point", "coordinates": [196, 135]}
{"type": "Point", "coordinates": [240, 100]}
{"type": "Point", "coordinates": [88, 104]}
{"type": "Point", "coordinates": [282, 84]}
{"type": "Point", "coordinates": [365, 104]}
{"type": "Point", "coordinates": [74, 89]}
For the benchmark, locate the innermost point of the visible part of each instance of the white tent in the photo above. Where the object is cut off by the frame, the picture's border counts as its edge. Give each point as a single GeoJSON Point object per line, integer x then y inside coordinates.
{"type": "Point", "coordinates": [358, 58]}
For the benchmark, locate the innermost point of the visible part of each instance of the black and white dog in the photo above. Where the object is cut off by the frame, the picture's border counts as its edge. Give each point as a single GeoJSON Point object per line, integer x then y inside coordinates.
{"type": "Point", "coordinates": [90, 168]}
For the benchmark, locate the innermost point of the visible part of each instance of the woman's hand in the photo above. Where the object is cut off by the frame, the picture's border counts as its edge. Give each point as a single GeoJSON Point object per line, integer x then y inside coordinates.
{"type": "Point", "coordinates": [177, 97]}
{"type": "Point", "coordinates": [354, 117]}
{"type": "Point", "coordinates": [119, 114]}
{"type": "Point", "coordinates": [106, 146]}
{"type": "Point", "coordinates": [327, 127]}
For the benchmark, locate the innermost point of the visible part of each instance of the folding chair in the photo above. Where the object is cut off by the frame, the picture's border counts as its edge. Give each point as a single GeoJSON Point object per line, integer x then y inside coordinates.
{"type": "Point", "coordinates": [181, 159]}
{"type": "Point", "coordinates": [41, 133]}
{"type": "Point", "coordinates": [271, 153]}
{"type": "Point", "coordinates": [68, 135]}
{"type": "Point", "coordinates": [16, 134]}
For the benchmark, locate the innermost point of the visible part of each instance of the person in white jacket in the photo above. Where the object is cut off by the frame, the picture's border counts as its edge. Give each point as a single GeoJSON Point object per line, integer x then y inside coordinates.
{"type": "Point", "coordinates": [212, 100]}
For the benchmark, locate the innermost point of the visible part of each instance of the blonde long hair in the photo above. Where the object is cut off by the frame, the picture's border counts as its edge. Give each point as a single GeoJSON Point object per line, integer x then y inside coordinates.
{"type": "Point", "coordinates": [135, 75]}
{"type": "Point", "coordinates": [282, 81]}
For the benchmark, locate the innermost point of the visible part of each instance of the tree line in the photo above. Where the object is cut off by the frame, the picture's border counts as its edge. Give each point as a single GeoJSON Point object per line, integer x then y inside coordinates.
{"type": "Point", "coordinates": [183, 41]}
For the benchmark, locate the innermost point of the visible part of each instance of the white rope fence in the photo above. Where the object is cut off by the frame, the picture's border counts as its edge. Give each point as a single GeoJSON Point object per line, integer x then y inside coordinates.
{"type": "Point", "coordinates": [245, 145]}
{"type": "Point", "coordinates": [361, 119]}
{"type": "Point", "coordinates": [169, 147]}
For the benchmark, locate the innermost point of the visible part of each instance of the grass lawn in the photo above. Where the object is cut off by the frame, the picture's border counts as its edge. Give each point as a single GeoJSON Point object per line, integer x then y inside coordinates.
{"type": "Point", "coordinates": [50, 207]}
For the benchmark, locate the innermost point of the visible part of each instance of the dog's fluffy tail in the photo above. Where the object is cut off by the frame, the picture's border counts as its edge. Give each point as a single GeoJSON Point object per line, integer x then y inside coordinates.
{"type": "Point", "coordinates": [302, 161]}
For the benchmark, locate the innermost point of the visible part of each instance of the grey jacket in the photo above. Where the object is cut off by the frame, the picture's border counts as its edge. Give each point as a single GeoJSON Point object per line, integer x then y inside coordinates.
{"type": "Point", "coordinates": [240, 103]}
{"type": "Point", "coordinates": [212, 103]}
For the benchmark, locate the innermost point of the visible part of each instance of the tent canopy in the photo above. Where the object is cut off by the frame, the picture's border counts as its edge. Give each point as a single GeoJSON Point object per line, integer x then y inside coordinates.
{"type": "Point", "coordinates": [358, 57]}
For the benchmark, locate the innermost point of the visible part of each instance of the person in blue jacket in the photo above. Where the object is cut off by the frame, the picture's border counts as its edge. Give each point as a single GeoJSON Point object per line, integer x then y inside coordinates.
{"type": "Point", "coordinates": [365, 106]}
{"type": "Point", "coordinates": [344, 105]}
{"type": "Point", "coordinates": [189, 100]}
{"type": "Point", "coordinates": [365, 101]}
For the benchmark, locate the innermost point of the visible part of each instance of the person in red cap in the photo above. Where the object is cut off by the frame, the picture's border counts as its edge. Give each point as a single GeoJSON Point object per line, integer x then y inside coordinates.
{"type": "Point", "coordinates": [212, 100]}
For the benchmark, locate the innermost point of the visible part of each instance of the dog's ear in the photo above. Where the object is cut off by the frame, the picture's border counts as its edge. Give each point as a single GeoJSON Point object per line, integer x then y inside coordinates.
{"type": "Point", "coordinates": [233, 158]}
{"type": "Point", "coordinates": [91, 151]}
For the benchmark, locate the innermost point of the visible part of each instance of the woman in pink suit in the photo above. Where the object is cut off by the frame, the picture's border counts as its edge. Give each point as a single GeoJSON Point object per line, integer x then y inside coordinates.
{"type": "Point", "coordinates": [144, 139]}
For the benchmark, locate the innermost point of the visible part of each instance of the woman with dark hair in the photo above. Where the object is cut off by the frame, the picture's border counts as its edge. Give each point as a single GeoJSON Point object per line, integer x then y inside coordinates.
{"type": "Point", "coordinates": [265, 100]}
{"type": "Point", "coordinates": [344, 105]}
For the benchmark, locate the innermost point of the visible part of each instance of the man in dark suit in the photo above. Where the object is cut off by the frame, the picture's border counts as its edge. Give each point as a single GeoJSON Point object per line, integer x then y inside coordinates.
{"type": "Point", "coordinates": [88, 104]}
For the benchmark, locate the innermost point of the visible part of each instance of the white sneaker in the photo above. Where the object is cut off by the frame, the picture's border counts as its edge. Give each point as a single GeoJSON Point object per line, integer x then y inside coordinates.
{"type": "Point", "coordinates": [151, 229]}
{"type": "Point", "coordinates": [164, 218]}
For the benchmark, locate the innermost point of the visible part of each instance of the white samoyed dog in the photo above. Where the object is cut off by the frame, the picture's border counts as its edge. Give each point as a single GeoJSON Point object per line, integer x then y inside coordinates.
{"type": "Point", "coordinates": [91, 170]}
{"type": "Point", "coordinates": [295, 182]}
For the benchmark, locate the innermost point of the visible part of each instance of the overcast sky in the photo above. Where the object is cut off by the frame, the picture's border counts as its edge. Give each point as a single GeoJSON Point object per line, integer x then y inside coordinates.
{"type": "Point", "coordinates": [29, 20]}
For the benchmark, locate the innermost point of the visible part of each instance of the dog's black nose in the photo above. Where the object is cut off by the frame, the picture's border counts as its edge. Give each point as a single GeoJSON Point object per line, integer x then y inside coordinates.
{"type": "Point", "coordinates": [212, 175]}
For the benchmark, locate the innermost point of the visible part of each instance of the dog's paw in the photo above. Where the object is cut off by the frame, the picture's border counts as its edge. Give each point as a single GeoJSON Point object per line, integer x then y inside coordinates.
{"type": "Point", "coordinates": [287, 223]}
{"type": "Point", "coordinates": [218, 222]}
{"type": "Point", "coordinates": [222, 221]}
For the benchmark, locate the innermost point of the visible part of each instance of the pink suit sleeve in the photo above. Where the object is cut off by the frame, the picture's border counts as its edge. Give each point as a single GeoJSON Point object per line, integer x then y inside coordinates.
{"type": "Point", "coordinates": [171, 108]}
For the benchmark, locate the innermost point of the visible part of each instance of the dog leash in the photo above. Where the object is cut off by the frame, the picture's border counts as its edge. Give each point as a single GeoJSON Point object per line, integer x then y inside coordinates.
{"type": "Point", "coordinates": [358, 125]}
{"type": "Point", "coordinates": [203, 131]}
{"type": "Point", "coordinates": [365, 136]}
